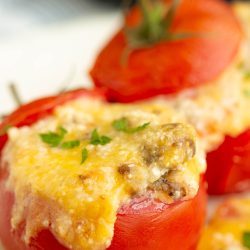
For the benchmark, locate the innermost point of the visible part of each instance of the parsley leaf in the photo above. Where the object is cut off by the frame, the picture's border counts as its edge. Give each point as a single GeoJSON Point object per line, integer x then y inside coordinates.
{"type": "Point", "coordinates": [241, 65]}
{"type": "Point", "coordinates": [53, 139]}
{"type": "Point", "coordinates": [84, 155]}
{"type": "Point", "coordinates": [70, 144]}
{"type": "Point", "coordinates": [247, 75]}
{"type": "Point", "coordinates": [97, 139]}
{"type": "Point", "coordinates": [139, 128]}
{"type": "Point", "coordinates": [123, 125]}
{"type": "Point", "coordinates": [246, 93]}
{"type": "Point", "coordinates": [246, 239]}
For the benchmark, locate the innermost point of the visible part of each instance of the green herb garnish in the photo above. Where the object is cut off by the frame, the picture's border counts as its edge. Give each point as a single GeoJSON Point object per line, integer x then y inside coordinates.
{"type": "Point", "coordinates": [97, 139]}
{"type": "Point", "coordinates": [123, 126]}
{"type": "Point", "coordinates": [247, 75]}
{"type": "Point", "coordinates": [62, 131]}
{"type": "Point", "coordinates": [241, 65]}
{"type": "Point", "coordinates": [245, 70]}
{"type": "Point", "coordinates": [246, 93]}
{"type": "Point", "coordinates": [70, 144]}
{"type": "Point", "coordinates": [246, 239]}
{"type": "Point", "coordinates": [84, 155]}
{"type": "Point", "coordinates": [54, 139]}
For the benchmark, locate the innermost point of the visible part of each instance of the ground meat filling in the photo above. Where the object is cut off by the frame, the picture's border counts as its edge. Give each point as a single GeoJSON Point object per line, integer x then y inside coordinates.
{"type": "Point", "coordinates": [172, 189]}
{"type": "Point", "coordinates": [168, 141]}
{"type": "Point", "coordinates": [156, 152]}
{"type": "Point", "coordinates": [96, 149]}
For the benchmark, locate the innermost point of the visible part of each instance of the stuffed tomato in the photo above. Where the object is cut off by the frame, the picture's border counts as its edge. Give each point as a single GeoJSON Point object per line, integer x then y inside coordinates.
{"type": "Point", "coordinates": [193, 57]}
{"type": "Point", "coordinates": [229, 227]}
{"type": "Point", "coordinates": [80, 173]}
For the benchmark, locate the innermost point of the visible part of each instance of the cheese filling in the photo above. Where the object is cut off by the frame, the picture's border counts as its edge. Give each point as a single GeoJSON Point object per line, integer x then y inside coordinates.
{"type": "Point", "coordinates": [72, 171]}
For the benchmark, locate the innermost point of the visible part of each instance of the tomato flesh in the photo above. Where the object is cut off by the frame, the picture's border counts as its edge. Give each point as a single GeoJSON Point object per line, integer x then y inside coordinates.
{"type": "Point", "coordinates": [171, 66]}
{"type": "Point", "coordinates": [228, 167]}
{"type": "Point", "coordinates": [144, 224]}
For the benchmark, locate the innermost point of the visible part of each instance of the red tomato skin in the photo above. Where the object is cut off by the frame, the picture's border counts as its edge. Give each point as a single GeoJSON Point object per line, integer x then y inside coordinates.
{"type": "Point", "coordinates": [24, 116]}
{"type": "Point", "coordinates": [163, 227]}
{"type": "Point", "coordinates": [38, 109]}
{"type": "Point", "coordinates": [176, 221]}
{"type": "Point", "coordinates": [154, 226]}
{"type": "Point", "coordinates": [228, 167]}
{"type": "Point", "coordinates": [170, 67]}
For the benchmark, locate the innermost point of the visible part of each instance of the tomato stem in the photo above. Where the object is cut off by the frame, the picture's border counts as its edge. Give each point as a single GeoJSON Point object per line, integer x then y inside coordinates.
{"type": "Point", "coordinates": [155, 25]}
{"type": "Point", "coordinates": [15, 94]}
{"type": "Point", "coordinates": [168, 20]}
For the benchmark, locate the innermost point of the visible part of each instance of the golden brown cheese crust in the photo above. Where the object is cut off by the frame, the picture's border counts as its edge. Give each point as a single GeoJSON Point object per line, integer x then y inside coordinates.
{"type": "Point", "coordinates": [221, 107]}
{"type": "Point", "coordinates": [79, 201]}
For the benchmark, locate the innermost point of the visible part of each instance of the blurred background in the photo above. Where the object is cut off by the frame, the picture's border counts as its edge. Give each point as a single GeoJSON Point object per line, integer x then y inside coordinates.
{"type": "Point", "coordinates": [18, 16]}
{"type": "Point", "coordinates": [46, 45]}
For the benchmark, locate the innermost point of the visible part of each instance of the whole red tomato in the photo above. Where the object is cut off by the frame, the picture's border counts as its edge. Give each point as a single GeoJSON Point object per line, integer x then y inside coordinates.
{"type": "Point", "coordinates": [144, 224]}
{"type": "Point", "coordinates": [172, 65]}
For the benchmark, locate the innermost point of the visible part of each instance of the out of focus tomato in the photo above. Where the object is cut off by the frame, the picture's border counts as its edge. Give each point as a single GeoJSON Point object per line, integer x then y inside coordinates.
{"type": "Point", "coordinates": [229, 165]}
{"type": "Point", "coordinates": [170, 65]}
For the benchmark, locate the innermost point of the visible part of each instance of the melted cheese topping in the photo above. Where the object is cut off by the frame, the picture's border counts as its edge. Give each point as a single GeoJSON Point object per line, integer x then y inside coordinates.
{"type": "Point", "coordinates": [225, 231]}
{"type": "Point", "coordinates": [221, 107]}
{"type": "Point", "coordinates": [79, 202]}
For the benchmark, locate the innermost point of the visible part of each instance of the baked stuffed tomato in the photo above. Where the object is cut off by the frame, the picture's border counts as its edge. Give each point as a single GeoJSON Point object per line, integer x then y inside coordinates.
{"type": "Point", "coordinates": [229, 227]}
{"type": "Point", "coordinates": [195, 58]}
{"type": "Point", "coordinates": [80, 173]}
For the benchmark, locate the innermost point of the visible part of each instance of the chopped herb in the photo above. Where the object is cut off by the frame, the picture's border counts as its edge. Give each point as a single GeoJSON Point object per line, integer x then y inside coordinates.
{"type": "Point", "coordinates": [247, 75]}
{"type": "Point", "coordinates": [54, 139]}
{"type": "Point", "coordinates": [70, 144]}
{"type": "Point", "coordinates": [245, 70]}
{"type": "Point", "coordinates": [246, 239]}
{"type": "Point", "coordinates": [123, 125]}
{"type": "Point", "coordinates": [62, 131]}
{"type": "Point", "coordinates": [241, 65]}
{"type": "Point", "coordinates": [246, 93]}
{"type": "Point", "coordinates": [84, 155]}
{"type": "Point", "coordinates": [139, 128]}
{"type": "Point", "coordinates": [97, 139]}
